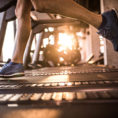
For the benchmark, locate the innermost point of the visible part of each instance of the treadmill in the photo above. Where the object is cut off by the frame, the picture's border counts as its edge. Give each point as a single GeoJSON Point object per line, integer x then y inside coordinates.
{"type": "Point", "coordinates": [82, 91]}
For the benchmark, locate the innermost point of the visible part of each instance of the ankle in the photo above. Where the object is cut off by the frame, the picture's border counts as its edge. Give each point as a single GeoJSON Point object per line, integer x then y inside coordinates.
{"type": "Point", "coordinates": [100, 22]}
{"type": "Point", "coordinates": [104, 21]}
{"type": "Point", "coordinates": [17, 61]}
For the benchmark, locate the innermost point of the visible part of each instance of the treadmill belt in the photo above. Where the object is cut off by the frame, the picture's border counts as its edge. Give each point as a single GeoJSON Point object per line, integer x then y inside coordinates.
{"type": "Point", "coordinates": [84, 84]}
{"type": "Point", "coordinates": [90, 89]}
{"type": "Point", "coordinates": [56, 98]}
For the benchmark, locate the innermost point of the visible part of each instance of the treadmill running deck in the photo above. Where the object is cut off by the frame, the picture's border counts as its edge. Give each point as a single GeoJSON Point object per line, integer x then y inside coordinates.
{"type": "Point", "coordinates": [61, 92]}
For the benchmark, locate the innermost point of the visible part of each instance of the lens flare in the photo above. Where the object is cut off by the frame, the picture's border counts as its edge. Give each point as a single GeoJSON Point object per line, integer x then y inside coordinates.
{"type": "Point", "coordinates": [65, 41]}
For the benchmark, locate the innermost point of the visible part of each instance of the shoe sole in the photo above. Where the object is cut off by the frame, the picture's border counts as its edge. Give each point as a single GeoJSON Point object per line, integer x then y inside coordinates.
{"type": "Point", "coordinates": [13, 75]}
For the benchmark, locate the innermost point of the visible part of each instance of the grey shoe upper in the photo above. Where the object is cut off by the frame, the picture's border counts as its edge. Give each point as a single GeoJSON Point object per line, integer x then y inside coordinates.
{"type": "Point", "coordinates": [109, 29]}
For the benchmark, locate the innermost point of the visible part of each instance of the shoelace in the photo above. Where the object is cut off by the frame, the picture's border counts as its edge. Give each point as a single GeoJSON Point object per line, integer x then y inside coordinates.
{"type": "Point", "coordinates": [106, 32]}
{"type": "Point", "coordinates": [6, 65]}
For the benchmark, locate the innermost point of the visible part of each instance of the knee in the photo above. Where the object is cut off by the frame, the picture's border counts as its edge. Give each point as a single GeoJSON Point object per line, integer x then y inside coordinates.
{"type": "Point", "coordinates": [22, 9]}
{"type": "Point", "coordinates": [19, 14]}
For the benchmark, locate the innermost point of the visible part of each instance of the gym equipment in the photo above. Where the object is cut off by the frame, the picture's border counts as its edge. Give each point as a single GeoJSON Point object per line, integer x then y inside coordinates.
{"type": "Point", "coordinates": [84, 91]}
{"type": "Point", "coordinates": [6, 4]}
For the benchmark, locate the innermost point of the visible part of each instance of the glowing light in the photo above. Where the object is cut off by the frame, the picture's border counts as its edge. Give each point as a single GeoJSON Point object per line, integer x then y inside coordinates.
{"type": "Point", "coordinates": [33, 45]}
{"type": "Point", "coordinates": [58, 64]}
{"type": "Point", "coordinates": [8, 45]}
{"type": "Point", "coordinates": [51, 38]}
{"type": "Point", "coordinates": [91, 62]}
{"type": "Point", "coordinates": [58, 17]}
{"type": "Point", "coordinates": [46, 30]}
{"type": "Point", "coordinates": [60, 49]}
{"type": "Point", "coordinates": [102, 42]}
{"type": "Point", "coordinates": [51, 29]}
{"type": "Point", "coordinates": [37, 36]}
{"type": "Point", "coordinates": [59, 78]}
{"type": "Point", "coordinates": [45, 42]}
{"type": "Point", "coordinates": [72, 65]}
{"type": "Point", "coordinates": [65, 52]}
{"type": "Point", "coordinates": [65, 40]}
{"type": "Point", "coordinates": [61, 59]}
{"type": "Point", "coordinates": [41, 52]}
{"type": "Point", "coordinates": [102, 49]}
{"type": "Point", "coordinates": [12, 105]}
{"type": "Point", "coordinates": [69, 84]}
{"type": "Point", "coordinates": [61, 84]}
{"type": "Point", "coordinates": [101, 37]}
{"type": "Point", "coordinates": [80, 34]}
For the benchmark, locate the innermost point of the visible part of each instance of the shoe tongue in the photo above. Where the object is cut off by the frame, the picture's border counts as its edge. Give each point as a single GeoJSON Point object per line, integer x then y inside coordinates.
{"type": "Point", "coordinates": [104, 21]}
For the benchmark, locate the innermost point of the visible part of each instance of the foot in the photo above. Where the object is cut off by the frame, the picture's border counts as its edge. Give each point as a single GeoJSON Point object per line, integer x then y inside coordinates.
{"type": "Point", "coordinates": [12, 70]}
{"type": "Point", "coordinates": [109, 27]}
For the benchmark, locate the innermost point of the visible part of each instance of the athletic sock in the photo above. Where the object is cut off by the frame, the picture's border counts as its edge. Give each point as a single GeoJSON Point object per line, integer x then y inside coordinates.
{"type": "Point", "coordinates": [104, 21]}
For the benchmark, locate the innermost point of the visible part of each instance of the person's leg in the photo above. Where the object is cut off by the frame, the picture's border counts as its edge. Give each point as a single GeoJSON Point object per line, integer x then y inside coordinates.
{"type": "Point", "coordinates": [68, 8]}
{"type": "Point", "coordinates": [24, 26]}
{"type": "Point", "coordinates": [15, 67]}
{"type": "Point", "coordinates": [106, 23]}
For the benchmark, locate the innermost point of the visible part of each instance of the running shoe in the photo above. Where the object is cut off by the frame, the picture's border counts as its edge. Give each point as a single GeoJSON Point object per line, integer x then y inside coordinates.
{"type": "Point", "coordinates": [109, 27]}
{"type": "Point", "coordinates": [12, 69]}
